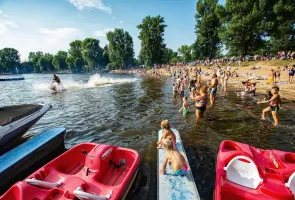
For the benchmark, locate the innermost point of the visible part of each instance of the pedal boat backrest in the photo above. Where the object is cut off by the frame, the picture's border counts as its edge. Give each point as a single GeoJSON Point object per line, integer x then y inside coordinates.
{"type": "Point", "coordinates": [243, 171]}
{"type": "Point", "coordinates": [291, 183]}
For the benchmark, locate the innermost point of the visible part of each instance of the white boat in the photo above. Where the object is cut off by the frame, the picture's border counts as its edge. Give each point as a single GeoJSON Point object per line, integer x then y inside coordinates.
{"type": "Point", "coordinates": [16, 120]}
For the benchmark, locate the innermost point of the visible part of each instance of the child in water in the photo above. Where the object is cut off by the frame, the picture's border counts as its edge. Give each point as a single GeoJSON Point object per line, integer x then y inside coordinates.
{"type": "Point", "coordinates": [167, 132]}
{"type": "Point", "coordinates": [185, 107]}
{"type": "Point", "coordinates": [175, 159]}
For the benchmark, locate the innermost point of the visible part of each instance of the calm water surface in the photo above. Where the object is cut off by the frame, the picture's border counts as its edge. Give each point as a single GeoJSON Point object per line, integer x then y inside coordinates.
{"type": "Point", "coordinates": [126, 110]}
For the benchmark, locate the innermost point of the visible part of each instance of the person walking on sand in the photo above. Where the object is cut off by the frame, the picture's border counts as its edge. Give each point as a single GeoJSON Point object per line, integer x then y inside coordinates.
{"type": "Point", "coordinates": [275, 104]}
{"type": "Point", "coordinates": [201, 101]}
{"type": "Point", "coordinates": [291, 74]}
{"type": "Point", "coordinates": [213, 89]}
{"type": "Point", "coordinates": [277, 74]}
{"type": "Point", "coordinates": [271, 75]}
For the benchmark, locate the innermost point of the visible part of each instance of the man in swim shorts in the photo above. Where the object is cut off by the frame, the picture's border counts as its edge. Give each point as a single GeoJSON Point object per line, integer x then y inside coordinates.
{"type": "Point", "coordinates": [213, 89]}
{"type": "Point", "coordinates": [275, 104]}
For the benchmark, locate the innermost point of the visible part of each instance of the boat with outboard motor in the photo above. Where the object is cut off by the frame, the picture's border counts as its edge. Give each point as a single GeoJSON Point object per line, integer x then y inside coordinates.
{"type": "Point", "coordinates": [244, 172]}
{"type": "Point", "coordinates": [87, 171]}
{"type": "Point", "coordinates": [16, 120]}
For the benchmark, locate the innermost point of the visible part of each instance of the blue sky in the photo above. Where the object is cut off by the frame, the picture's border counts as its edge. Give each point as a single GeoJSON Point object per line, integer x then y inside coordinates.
{"type": "Point", "coordinates": [50, 25]}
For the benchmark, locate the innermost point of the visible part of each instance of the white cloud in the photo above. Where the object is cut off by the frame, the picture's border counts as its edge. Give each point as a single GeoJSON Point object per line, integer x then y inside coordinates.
{"type": "Point", "coordinates": [114, 17]}
{"type": "Point", "coordinates": [98, 4]}
{"type": "Point", "coordinates": [121, 22]}
{"type": "Point", "coordinates": [6, 23]}
{"type": "Point", "coordinates": [60, 32]}
{"type": "Point", "coordinates": [102, 33]}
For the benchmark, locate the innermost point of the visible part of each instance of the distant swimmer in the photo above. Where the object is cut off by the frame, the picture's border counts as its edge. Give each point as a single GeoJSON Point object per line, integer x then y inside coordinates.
{"type": "Point", "coordinates": [275, 104]}
{"type": "Point", "coordinates": [174, 158]}
{"type": "Point", "coordinates": [213, 89]}
{"type": "Point", "coordinates": [167, 132]}
{"type": "Point", "coordinates": [185, 107]}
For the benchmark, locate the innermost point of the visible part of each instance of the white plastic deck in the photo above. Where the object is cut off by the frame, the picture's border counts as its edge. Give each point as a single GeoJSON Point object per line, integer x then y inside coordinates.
{"type": "Point", "coordinates": [171, 187]}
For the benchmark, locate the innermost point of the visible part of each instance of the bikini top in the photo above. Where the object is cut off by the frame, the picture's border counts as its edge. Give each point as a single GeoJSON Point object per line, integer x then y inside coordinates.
{"type": "Point", "coordinates": [202, 102]}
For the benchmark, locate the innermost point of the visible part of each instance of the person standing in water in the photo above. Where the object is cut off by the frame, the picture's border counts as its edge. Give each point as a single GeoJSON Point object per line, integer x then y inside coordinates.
{"type": "Point", "coordinates": [213, 89]}
{"type": "Point", "coordinates": [225, 78]}
{"type": "Point", "coordinates": [275, 104]}
{"type": "Point", "coordinates": [185, 107]}
{"type": "Point", "coordinates": [201, 101]}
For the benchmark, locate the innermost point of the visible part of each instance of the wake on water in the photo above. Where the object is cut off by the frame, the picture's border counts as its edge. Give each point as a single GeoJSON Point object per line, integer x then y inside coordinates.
{"type": "Point", "coordinates": [95, 80]}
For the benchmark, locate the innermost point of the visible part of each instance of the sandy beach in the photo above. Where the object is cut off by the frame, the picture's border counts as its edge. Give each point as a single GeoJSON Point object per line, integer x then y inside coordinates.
{"type": "Point", "coordinates": [287, 91]}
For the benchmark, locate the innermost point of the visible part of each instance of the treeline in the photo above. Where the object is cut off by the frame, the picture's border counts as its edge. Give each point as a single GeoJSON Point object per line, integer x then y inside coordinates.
{"type": "Point", "coordinates": [244, 27]}
{"type": "Point", "coordinates": [241, 27]}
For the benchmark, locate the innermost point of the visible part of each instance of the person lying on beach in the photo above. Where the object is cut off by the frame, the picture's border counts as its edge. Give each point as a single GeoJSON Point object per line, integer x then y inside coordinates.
{"type": "Point", "coordinates": [275, 104]}
{"type": "Point", "coordinates": [185, 107]}
{"type": "Point", "coordinates": [175, 159]}
{"type": "Point", "coordinates": [166, 132]}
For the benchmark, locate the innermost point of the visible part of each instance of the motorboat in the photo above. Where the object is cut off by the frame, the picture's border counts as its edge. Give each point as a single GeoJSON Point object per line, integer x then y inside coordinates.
{"type": "Point", "coordinates": [17, 119]}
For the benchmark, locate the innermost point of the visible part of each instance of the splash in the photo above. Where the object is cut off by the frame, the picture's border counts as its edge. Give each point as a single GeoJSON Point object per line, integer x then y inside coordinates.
{"type": "Point", "coordinates": [95, 80]}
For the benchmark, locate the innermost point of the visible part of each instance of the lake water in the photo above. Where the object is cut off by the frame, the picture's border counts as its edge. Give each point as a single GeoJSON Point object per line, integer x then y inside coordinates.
{"type": "Point", "coordinates": [126, 110]}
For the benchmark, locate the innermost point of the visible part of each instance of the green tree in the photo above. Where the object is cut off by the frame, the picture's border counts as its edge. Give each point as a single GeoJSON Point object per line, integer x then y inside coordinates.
{"type": "Point", "coordinates": [207, 28]}
{"type": "Point", "coordinates": [105, 56]}
{"type": "Point", "coordinates": [9, 60]}
{"type": "Point", "coordinates": [92, 53]}
{"type": "Point", "coordinates": [59, 60]}
{"type": "Point", "coordinates": [283, 32]}
{"type": "Point", "coordinates": [168, 55]}
{"type": "Point", "coordinates": [185, 52]}
{"type": "Point", "coordinates": [27, 67]}
{"type": "Point", "coordinates": [245, 24]}
{"type": "Point", "coordinates": [34, 58]}
{"type": "Point", "coordinates": [75, 59]}
{"type": "Point", "coordinates": [120, 50]}
{"type": "Point", "coordinates": [152, 42]}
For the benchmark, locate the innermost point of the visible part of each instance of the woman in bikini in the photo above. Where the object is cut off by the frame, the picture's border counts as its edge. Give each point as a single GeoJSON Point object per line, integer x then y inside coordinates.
{"type": "Point", "coordinates": [201, 101]}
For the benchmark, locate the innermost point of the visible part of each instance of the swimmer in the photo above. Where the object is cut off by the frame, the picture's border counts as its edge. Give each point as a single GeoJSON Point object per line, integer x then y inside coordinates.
{"type": "Point", "coordinates": [175, 159]}
{"type": "Point", "coordinates": [185, 107]}
{"type": "Point", "coordinates": [166, 132]}
{"type": "Point", "coordinates": [275, 104]}
{"type": "Point", "coordinates": [201, 102]}
{"type": "Point", "coordinates": [213, 89]}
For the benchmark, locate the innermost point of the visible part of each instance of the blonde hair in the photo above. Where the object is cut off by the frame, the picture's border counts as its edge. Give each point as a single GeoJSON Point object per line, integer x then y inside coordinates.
{"type": "Point", "coordinates": [203, 89]}
{"type": "Point", "coordinates": [165, 124]}
{"type": "Point", "coordinates": [167, 143]}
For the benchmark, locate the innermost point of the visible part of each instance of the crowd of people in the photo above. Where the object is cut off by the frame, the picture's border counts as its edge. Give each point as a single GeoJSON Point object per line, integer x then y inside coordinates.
{"type": "Point", "coordinates": [202, 94]}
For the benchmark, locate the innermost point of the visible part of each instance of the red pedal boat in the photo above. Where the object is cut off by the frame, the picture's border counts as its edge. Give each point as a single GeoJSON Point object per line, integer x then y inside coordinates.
{"type": "Point", "coordinates": [87, 171]}
{"type": "Point", "coordinates": [244, 172]}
